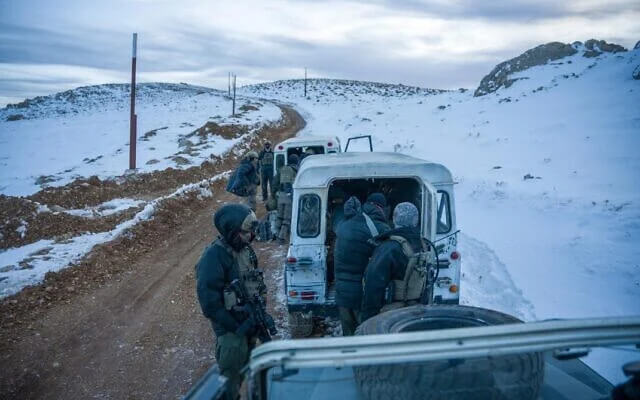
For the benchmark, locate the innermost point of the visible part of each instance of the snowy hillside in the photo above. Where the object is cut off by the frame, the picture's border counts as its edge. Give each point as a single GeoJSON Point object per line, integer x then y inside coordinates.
{"type": "Point", "coordinates": [55, 139]}
{"type": "Point", "coordinates": [548, 197]}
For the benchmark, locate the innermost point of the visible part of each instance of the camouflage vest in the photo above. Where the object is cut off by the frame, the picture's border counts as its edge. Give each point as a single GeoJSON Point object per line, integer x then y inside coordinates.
{"type": "Point", "coordinates": [410, 288]}
{"type": "Point", "coordinates": [287, 176]}
{"type": "Point", "coordinates": [267, 159]}
{"type": "Point", "coordinates": [247, 268]}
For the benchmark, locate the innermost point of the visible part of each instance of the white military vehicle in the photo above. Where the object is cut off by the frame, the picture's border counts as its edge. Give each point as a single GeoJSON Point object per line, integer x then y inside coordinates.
{"type": "Point", "coordinates": [320, 187]}
{"type": "Point", "coordinates": [301, 145]}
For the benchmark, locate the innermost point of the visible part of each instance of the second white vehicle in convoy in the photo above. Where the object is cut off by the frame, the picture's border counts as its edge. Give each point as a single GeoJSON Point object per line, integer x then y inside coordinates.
{"type": "Point", "coordinates": [320, 187]}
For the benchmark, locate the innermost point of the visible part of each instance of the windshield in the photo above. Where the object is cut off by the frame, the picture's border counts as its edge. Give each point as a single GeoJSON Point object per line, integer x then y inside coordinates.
{"type": "Point", "coordinates": [520, 376]}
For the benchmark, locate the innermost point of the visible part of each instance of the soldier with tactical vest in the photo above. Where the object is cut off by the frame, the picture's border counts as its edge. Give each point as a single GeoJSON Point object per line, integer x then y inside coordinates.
{"type": "Point", "coordinates": [265, 163]}
{"type": "Point", "coordinates": [226, 260]}
{"type": "Point", "coordinates": [283, 183]}
{"type": "Point", "coordinates": [399, 270]}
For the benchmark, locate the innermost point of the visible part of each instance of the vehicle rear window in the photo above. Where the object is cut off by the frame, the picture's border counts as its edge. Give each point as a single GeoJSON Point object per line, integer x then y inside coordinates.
{"type": "Point", "coordinates": [444, 212]}
{"type": "Point", "coordinates": [309, 216]}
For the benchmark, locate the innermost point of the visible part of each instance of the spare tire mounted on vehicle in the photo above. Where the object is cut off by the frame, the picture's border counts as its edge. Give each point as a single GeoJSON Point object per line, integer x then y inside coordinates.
{"type": "Point", "coordinates": [517, 376]}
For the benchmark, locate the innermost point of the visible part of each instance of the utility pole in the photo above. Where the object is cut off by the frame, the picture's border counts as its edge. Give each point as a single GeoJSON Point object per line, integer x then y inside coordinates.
{"type": "Point", "coordinates": [305, 82]}
{"type": "Point", "coordinates": [133, 118]}
{"type": "Point", "coordinates": [229, 82]}
{"type": "Point", "coordinates": [233, 110]}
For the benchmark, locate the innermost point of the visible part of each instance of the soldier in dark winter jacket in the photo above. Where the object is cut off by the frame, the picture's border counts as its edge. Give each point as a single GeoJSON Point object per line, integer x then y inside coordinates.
{"type": "Point", "coordinates": [230, 257]}
{"type": "Point", "coordinates": [374, 208]}
{"type": "Point", "coordinates": [244, 180]}
{"type": "Point", "coordinates": [265, 163]}
{"type": "Point", "coordinates": [351, 255]}
{"type": "Point", "coordinates": [389, 262]}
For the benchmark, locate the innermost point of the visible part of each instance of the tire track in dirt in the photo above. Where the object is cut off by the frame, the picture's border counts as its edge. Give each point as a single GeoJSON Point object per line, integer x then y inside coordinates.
{"type": "Point", "coordinates": [141, 334]}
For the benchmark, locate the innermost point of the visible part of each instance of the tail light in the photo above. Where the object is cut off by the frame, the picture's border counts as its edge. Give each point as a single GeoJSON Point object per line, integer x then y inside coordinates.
{"type": "Point", "coordinates": [453, 289]}
{"type": "Point", "coordinates": [330, 144]}
{"type": "Point", "coordinates": [293, 293]}
{"type": "Point", "coordinates": [292, 260]}
{"type": "Point", "coordinates": [280, 148]}
{"type": "Point", "coordinates": [455, 255]}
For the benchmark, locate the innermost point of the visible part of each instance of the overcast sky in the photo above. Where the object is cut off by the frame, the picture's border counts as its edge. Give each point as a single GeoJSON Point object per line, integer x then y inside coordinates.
{"type": "Point", "coordinates": [48, 46]}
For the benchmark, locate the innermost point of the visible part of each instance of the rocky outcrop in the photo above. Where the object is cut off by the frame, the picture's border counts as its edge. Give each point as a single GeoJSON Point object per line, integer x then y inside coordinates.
{"type": "Point", "coordinates": [636, 73]}
{"type": "Point", "coordinates": [540, 55]}
{"type": "Point", "coordinates": [596, 47]}
{"type": "Point", "coordinates": [637, 46]}
{"type": "Point", "coordinates": [500, 77]}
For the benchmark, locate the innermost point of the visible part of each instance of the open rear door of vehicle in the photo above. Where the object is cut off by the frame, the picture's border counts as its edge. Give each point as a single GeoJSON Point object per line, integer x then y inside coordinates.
{"type": "Point", "coordinates": [430, 211]}
{"type": "Point", "coordinates": [355, 138]}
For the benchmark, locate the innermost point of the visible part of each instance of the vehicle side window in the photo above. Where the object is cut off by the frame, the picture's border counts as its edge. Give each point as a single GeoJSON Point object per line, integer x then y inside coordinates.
{"type": "Point", "coordinates": [444, 212]}
{"type": "Point", "coordinates": [309, 216]}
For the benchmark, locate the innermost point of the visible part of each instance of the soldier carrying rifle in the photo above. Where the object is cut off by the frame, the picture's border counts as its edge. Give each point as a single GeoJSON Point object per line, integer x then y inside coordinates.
{"type": "Point", "coordinates": [231, 292]}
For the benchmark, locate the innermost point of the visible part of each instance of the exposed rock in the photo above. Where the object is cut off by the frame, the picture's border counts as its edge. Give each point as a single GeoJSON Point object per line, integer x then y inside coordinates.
{"type": "Point", "coordinates": [15, 117]}
{"type": "Point", "coordinates": [636, 73]}
{"type": "Point", "coordinates": [602, 46]}
{"type": "Point", "coordinates": [539, 55]}
{"type": "Point", "coordinates": [637, 46]}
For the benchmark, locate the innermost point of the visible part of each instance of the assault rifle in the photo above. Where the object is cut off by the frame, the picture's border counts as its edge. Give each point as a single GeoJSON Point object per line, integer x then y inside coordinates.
{"type": "Point", "coordinates": [265, 324]}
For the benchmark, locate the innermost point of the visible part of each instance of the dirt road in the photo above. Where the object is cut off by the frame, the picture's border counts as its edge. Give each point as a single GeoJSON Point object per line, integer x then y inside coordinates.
{"type": "Point", "coordinates": [138, 335]}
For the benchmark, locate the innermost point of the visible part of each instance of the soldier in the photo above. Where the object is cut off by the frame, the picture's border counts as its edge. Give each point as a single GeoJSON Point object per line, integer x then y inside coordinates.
{"type": "Point", "coordinates": [230, 257]}
{"type": "Point", "coordinates": [283, 183]}
{"type": "Point", "coordinates": [395, 266]}
{"type": "Point", "coordinates": [265, 162]}
{"type": "Point", "coordinates": [244, 181]}
{"type": "Point", "coordinates": [352, 250]}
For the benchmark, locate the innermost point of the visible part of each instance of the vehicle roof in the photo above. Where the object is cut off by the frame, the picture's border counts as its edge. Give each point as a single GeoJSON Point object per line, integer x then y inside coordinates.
{"type": "Point", "coordinates": [319, 170]}
{"type": "Point", "coordinates": [481, 341]}
{"type": "Point", "coordinates": [303, 140]}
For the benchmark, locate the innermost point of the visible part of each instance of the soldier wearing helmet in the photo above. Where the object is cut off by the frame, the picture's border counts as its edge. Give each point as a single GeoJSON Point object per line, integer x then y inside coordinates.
{"type": "Point", "coordinates": [228, 258]}
{"type": "Point", "coordinates": [283, 183]}
{"type": "Point", "coordinates": [265, 163]}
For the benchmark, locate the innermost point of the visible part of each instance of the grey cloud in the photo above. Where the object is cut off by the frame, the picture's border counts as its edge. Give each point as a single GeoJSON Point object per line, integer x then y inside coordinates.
{"type": "Point", "coordinates": [500, 10]}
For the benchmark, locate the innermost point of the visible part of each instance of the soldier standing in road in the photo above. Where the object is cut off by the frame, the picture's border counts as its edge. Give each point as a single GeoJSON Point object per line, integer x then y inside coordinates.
{"type": "Point", "coordinates": [228, 258]}
{"type": "Point", "coordinates": [394, 265]}
{"type": "Point", "coordinates": [245, 180]}
{"type": "Point", "coordinates": [265, 163]}
{"type": "Point", "coordinates": [283, 183]}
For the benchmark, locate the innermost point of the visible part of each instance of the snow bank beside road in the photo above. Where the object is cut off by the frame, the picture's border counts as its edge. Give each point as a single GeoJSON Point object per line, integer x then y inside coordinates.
{"type": "Point", "coordinates": [27, 265]}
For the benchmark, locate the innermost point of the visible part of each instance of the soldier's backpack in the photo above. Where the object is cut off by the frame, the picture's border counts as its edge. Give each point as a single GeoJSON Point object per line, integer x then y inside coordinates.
{"type": "Point", "coordinates": [416, 276]}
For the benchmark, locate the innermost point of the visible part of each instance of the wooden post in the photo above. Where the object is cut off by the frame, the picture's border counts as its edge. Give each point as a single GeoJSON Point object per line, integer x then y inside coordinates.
{"type": "Point", "coordinates": [133, 117]}
{"type": "Point", "coordinates": [305, 82]}
{"type": "Point", "coordinates": [233, 113]}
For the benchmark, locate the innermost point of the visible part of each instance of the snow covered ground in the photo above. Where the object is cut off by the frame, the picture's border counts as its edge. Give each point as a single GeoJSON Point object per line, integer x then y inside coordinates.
{"type": "Point", "coordinates": [548, 197]}
{"type": "Point", "coordinates": [85, 132]}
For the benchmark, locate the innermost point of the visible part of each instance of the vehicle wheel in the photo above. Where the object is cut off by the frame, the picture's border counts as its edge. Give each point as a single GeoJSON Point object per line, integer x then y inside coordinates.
{"type": "Point", "coordinates": [300, 324]}
{"type": "Point", "coordinates": [504, 377]}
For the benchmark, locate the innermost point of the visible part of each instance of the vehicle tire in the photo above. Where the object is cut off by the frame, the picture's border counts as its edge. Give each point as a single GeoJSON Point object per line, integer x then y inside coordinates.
{"type": "Point", "coordinates": [300, 324]}
{"type": "Point", "coordinates": [516, 376]}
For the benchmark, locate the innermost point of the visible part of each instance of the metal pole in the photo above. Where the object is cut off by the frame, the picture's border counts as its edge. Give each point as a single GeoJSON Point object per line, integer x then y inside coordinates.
{"type": "Point", "coordinates": [234, 96]}
{"type": "Point", "coordinates": [305, 81]}
{"type": "Point", "coordinates": [133, 117]}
